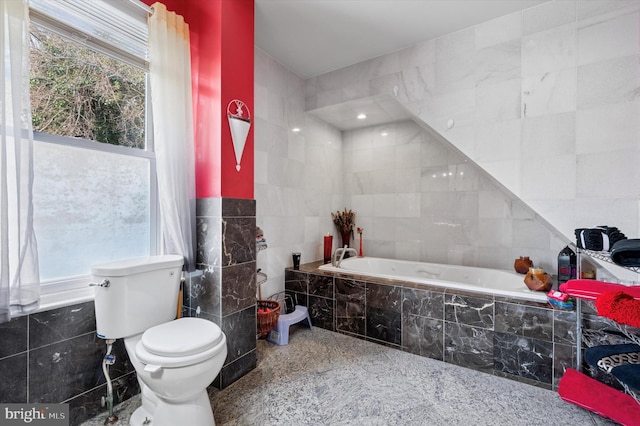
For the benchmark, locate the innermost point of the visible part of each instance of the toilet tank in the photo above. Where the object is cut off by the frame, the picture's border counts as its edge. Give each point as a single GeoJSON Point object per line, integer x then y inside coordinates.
{"type": "Point", "coordinates": [142, 292]}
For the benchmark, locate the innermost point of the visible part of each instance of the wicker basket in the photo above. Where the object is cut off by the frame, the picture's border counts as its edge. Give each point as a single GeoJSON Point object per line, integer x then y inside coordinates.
{"type": "Point", "coordinates": [268, 314]}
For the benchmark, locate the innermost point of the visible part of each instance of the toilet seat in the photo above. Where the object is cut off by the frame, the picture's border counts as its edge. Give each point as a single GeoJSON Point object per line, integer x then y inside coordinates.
{"type": "Point", "coordinates": [179, 343]}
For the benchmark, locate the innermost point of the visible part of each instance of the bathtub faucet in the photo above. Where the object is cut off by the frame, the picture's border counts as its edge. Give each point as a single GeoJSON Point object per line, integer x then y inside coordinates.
{"type": "Point", "coordinates": [340, 254]}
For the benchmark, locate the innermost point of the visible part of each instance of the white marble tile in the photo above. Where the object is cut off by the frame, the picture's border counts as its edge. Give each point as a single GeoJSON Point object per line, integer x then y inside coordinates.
{"type": "Point", "coordinates": [498, 141]}
{"type": "Point", "coordinates": [495, 232]}
{"type": "Point", "coordinates": [408, 179]}
{"type": "Point", "coordinates": [608, 82]}
{"type": "Point", "coordinates": [551, 177]}
{"type": "Point", "coordinates": [407, 205]}
{"type": "Point", "coordinates": [608, 128]}
{"type": "Point", "coordinates": [529, 233]}
{"type": "Point", "coordinates": [549, 135]}
{"type": "Point", "coordinates": [454, 61]}
{"type": "Point", "coordinates": [608, 175]}
{"type": "Point", "coordinates": [455, 44]}
{"type": "Point", "coordinates": [457, 106]}
{"type": "Point", "coordinates": [548, 15]}
{"type": "Point", "coordinates": [493, 205]}
{"type": "Point", "coordinates": [455, 73]}
{"type": "Point", "coordinates": [499, 30]}
{"type": "Point", "coordinates": [382, 181]}
{"type": "Point", "coordinates": [498, 102]}
{"type": "Point", "coordinates": [549, 93]}
{"type": "Point", "coordinates": [507, 172]}
{"type": "Point", "coordinates": [619, 212]}
{"type": "Point", "coordinates": [599, 8]}
{"type": "Point", "coordinates": [417, 83]}
{"type": "Point", "coordinates": [387, 84]}
{"type": "Point", "coordinates": [260, 159]}
{"type": "Point", "coordinates": [550, 50]}
{"type": "Point", "coordinates": [363, 205]}
{"type": "Point", "coordinates": [497, 63]}
{"type": "Point", "coordinates": [384, 157]}
{"type": "Point", "coordinates": [608, 39]}
{"type": "Point", "coordinates": [417, 55]}
{"type": "Point", "coordinates": [407, 156]}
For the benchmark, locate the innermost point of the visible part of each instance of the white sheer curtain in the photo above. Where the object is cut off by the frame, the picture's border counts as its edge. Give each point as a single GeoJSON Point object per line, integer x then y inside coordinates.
{"type": "Point", "coordinates": [170, 74]}
{"type": "Point", "coordinates": [20, 285]}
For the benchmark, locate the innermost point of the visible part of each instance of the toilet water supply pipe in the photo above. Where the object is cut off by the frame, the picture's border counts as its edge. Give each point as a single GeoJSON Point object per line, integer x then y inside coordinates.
{"type": "Point", "coordinates": [106, 362]}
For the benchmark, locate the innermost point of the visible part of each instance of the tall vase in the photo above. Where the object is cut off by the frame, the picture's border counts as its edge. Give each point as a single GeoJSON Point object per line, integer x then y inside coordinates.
{"type": "Point", "coordinates": [346, 238]}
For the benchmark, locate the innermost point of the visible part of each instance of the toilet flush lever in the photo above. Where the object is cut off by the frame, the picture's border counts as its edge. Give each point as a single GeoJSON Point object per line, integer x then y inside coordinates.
{"type": "Point", "coordinates": [104, 283]}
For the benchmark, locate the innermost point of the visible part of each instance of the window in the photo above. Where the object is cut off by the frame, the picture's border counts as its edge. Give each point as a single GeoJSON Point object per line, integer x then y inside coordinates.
{"type": "Point", "coordinates": [94, 185]}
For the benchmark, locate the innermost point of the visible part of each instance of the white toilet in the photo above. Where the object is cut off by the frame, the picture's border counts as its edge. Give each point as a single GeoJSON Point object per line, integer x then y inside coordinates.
{"type": "Point", "coordinates": [175, 360]}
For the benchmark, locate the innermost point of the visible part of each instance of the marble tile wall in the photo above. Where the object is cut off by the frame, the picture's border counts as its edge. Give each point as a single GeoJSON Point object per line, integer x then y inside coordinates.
{"type": "Point", "coordinates": [419, 199]}
{"type": "Point", "coordinates": [298, 176]}
{"type": "Point", "coordinates": [524, 341]}
{"type": "Point", "coordinates": [540, 99]}
{"type": "Point", "coordinates": [56, 357]}
{"type": "Point", "coordinates": [225, 291]}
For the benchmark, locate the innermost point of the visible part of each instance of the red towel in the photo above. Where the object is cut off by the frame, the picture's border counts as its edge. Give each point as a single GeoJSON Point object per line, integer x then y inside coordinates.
{"type": "Point", "coordinates": [620, 307]}
{"type": "Point", "coordinates": [591, 289]}
{"type": "Point", "coordinates": [595, 396]}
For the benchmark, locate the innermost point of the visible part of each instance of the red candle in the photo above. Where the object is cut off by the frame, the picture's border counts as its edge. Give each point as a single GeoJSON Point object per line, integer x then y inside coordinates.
{"type": "Point", "coordinates": [328, 247]}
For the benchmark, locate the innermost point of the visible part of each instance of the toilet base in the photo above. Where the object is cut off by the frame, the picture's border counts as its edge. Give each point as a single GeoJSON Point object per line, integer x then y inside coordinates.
{"type": "Point", "coordinates": [194, 412]}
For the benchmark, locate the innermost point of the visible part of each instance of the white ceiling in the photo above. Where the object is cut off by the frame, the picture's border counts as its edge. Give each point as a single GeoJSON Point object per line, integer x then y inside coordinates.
{"type": "Point", "coordinates": [312, 37]}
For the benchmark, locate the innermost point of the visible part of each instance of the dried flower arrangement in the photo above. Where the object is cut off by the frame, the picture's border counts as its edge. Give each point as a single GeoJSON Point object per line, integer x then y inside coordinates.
{"type": "Point", "coordinates": [344, 220]}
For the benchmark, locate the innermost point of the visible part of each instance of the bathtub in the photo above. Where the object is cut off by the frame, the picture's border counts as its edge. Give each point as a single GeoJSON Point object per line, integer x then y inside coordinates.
{"type": "Point", "coordinates": [495, 282]}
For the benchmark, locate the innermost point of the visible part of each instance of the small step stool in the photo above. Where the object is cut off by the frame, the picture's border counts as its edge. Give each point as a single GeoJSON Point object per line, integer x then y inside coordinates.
{"type": "Point", "coordinates": [280, 335]}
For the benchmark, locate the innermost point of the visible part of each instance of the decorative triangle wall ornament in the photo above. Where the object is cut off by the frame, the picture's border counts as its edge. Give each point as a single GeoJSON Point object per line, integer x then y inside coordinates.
{"type": "Point", "coordinates": [239, 123]}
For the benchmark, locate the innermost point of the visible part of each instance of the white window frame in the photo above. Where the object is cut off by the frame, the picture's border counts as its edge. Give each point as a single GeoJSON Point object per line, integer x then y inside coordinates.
{"type": "Point", "coordinates": [74, 290]}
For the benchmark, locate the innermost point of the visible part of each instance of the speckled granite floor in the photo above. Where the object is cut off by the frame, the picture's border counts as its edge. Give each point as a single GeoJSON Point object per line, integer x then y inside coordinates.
{"type": "Point", "coordinates": [326, 378]}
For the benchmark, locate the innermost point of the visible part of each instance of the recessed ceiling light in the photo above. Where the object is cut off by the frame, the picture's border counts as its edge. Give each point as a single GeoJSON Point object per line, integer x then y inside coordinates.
{"type": "Point", "coordinates": [384, 133]}
{"type": "Point", "coordinates": [362, 116]}
{"type": "Point", "coordinates": [295, 129]}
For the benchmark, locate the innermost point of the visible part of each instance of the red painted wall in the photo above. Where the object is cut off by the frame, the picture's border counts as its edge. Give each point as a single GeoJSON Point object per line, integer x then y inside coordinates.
{"type": "Point", "coordinates": [221, 33]}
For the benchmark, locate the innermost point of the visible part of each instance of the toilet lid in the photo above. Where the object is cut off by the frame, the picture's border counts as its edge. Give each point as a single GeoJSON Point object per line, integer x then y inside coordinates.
{"type": "Point", "coordinates": [182, 337]}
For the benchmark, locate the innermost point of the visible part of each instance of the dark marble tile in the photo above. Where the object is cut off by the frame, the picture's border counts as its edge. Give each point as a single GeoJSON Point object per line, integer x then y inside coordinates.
{"type": "Point", "coordinates": [205, 291]}
{"type": "Point", "coordinates": [13, 386]}
{"type": "Point", "coordinates": [385, 325]}
{"type": "Point", "coordinates": [61, 324]}
{"type": "Point", "coordinates": [350, 306]}
{"type": "Point", "coordinates": [13, 335]}
{"type": "Point", "coordinates": [240, 330]}
{"type": "Point", "coordinates": [238, 287]}
{"type": "Point", "coordinates": [523, 356]}
{"type": "Point", "coordinates": [384, 297]}
{"type": "Point", "coordinates": [235, 370]}
{"type": "Point", "coordinates": [209, 207]}
{"type": "Point", "coordinates": [321, 311]}
{"type": "Point", "coordinates": [424, 303]}
{"type": "Point", "coordinates": [423, 336]}
{"type": "Point", "coordinates": [296, 281]}
{"type": "Point", "coordinates": [469, 310]}
{"type": "Point", "coordinates": [321, 285]}
{"type": "Point", "coordinates": [293, 298]}
{"type": "Point", "coordinates": [88, 405]}
{"type": "Point", "coordinates": [524, 320]}
{"type": "Point", "coordinates": [209, 241]}
{"type": "Point", "coordinates": [383, 313]}
{"type": "Point", "coordinates": [601, 331]}
{"type": "Point", "coordinates": [564, 327]}
{"type": "Point", "coordinates": [234, 207]}
{"type": "Point", "coordinates": [470, 347]}
{"type": "Point", "coordinates": [564, 356]}
{"type": "Point", "coordinates": [62, 370]}
{"type": "Point", "coordinates": [238, 240]}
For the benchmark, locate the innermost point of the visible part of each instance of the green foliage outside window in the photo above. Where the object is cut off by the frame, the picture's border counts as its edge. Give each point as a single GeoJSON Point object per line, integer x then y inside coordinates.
{"type": "Point", "coordinates": [78, 92]}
